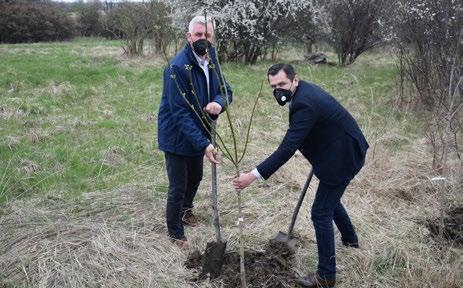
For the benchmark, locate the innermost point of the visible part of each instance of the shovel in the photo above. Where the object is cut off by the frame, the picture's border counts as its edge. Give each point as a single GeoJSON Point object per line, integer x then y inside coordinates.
{"type": "Point", "coordinates": [214, 253]}
{"type": "Point", "coordinates": [287, 237]}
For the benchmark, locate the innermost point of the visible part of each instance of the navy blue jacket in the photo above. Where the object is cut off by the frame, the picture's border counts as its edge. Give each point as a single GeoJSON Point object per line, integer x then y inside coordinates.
{"type": "Point", "coordinates": [325, 133]}
{"type": "Point", "coordinates": [180, 131]}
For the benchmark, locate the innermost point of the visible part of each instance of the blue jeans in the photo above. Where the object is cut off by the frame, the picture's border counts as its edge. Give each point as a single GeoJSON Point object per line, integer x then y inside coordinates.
{"type": "Point", "coordinates": [326, 208]}
{"type": "Point", "coordinates": [185, 174]}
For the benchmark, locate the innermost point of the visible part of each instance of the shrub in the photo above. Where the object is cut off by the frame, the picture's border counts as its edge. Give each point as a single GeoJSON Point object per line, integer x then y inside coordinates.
{"type": "Point", "coordinates": [355, 27]}
{"type": "Point", "coordinates": [89, 18]}
{"type": "Point", "coordinates": [132, 22]}
{"type": "Point", "coordinates": [27, 21]}
{"type": "Point", "coordinates": [429, 38]}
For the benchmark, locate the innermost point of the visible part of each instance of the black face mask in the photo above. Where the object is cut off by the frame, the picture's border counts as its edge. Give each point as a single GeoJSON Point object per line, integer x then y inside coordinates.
{"type": "Point", "coordinates": [200, 46]}
{"type": "Point", "coordinates": [282, 96]}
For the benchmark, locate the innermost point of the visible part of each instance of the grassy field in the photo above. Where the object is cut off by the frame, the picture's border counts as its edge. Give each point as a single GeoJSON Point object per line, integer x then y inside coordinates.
{"type": "Point", "coordinates": [83, 186]}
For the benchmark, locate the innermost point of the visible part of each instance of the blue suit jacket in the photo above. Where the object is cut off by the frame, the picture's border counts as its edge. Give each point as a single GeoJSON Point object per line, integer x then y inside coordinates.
{"type": "Point", "coordinates": [180, 131]}
{"type": "Point", "coordinates": [325, 133]}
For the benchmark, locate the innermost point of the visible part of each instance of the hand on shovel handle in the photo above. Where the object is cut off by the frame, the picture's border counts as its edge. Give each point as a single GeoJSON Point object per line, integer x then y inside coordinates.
{"type": "Point", "coordinates": [212, 154]}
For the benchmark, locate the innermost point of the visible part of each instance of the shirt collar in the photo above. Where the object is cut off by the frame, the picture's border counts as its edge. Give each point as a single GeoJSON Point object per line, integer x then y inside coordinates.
{"type": "Point", "coordinates": [201, 61]}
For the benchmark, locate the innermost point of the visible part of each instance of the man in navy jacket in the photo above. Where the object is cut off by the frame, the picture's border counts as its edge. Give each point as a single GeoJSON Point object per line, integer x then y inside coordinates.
{"type": "Point", "coordinates": [192, 97]}
{"type": "Point", "coordinates": [329, 137]}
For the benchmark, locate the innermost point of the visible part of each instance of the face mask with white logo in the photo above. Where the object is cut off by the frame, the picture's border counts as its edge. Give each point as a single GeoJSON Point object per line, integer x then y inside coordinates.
{"type": "Point", "coordinates": [283, 96]}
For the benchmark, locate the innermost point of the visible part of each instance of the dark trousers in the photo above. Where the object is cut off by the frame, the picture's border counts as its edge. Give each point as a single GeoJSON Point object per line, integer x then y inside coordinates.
{"type": "Point", "coordinates": [185, 174]}
{"type": "Point", "coordinates": [326, 208]}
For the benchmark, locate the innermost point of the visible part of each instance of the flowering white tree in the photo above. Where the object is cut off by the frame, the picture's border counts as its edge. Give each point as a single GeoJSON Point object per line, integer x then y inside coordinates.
{"type": "Point", "coordinates": [251, 27]}
{"type": "Point", "coordinates": [246, 29]}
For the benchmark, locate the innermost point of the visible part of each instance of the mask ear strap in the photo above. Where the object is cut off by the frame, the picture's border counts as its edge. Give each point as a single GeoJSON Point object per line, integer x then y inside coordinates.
{"type": "Point", "coordinates": [292, 82]}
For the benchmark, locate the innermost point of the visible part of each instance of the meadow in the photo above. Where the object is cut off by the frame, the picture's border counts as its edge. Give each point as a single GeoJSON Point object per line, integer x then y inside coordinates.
{"type": "Point", "coordinates": [83, 185]}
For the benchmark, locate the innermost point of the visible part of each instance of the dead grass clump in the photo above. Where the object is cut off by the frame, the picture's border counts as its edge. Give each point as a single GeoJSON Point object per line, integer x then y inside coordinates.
{"type": "Point", "coordinates": [9, 113]}
{"type": "Point", "coordinates": [114, 156]}
{"type": "Point", "coordinates": [28, 167]}
{"type": "Point", "coordinates": [38, 135]}
{"type": "Point", "coordinates": [11, 141]}
{"type": "Point", "coordinates": [16, 86]}
{"type": "Point", "coordinates": [59, 89]}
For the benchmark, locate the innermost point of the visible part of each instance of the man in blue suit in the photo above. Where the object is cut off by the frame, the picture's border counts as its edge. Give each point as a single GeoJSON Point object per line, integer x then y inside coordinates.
{"type": "Point", "coordinates": [329, 137]}
{"type": "Point", "coordinates": [192, 97]}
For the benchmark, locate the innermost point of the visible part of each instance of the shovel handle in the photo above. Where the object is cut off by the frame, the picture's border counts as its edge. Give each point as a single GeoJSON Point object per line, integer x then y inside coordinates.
{"type": "Point", "coordinates": [215, 211]}
{"type": "Point", "coordinates": [299, 203]}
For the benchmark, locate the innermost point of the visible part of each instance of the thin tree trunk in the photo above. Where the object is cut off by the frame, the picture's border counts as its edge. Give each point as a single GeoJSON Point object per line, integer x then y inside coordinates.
{"type": "Point", "coordinates": [240, 226]}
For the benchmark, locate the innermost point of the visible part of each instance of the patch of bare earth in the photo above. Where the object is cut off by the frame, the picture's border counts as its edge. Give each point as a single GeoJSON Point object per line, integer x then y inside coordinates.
{"type": "Point", "coordinates": [451, 226]}
{"type": "Point", "coordinates": [271, 267]}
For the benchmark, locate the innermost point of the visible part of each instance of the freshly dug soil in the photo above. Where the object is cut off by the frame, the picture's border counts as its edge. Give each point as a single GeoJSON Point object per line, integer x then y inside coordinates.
{"type": "Point", "coordinates": [453, 226]}
{"type": "Point", "coordinates": [268, 268]}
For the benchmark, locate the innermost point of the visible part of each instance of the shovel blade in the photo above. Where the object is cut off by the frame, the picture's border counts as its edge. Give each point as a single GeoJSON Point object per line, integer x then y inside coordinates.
{"type": "Point", "coordinates": [285, 238]}
{"type": "Point", "coordinates": [213, 259]}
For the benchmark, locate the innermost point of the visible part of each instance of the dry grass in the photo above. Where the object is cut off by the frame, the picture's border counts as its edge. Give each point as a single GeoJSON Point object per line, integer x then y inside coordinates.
{"type": "Point", "coordinates": [118, 238]}
{"type": "Point", "coordinates": [114, 238]}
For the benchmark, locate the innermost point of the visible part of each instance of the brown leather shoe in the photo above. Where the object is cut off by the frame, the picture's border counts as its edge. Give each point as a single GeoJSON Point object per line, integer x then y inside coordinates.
{"type": "Point", "coordinates": [189, 219]}
{"type": "Point", "coordinates": [313, 280]}
{"type": "Point", "coordinates": [181, 243]}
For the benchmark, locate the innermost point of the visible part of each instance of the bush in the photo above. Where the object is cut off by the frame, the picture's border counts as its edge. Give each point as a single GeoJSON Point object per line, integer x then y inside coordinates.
{"type": "Point", "coordinates": [429, 38]}
{"type": "Point", "coordinates": [27, 21]}
{"type": "Point", "coordinates": [132, 22]}
{"type": "Point", "coordinates": [90, 18]}
{"type": "Point", "coordinates": [355, 27]}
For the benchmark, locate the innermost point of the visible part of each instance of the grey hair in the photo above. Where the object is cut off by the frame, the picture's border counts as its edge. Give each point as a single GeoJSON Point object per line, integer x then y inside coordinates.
{"type": "Point", "coordinates": [198, 19]}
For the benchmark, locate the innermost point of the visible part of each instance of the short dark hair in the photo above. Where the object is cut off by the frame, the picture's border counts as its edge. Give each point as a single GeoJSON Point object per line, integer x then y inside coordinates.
{"type": "Point", "coordinates": [287, 68]}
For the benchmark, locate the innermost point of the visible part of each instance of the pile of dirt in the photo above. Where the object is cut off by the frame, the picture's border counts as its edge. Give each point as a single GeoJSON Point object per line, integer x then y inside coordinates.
{"type": "Point", "coordinates": [453, 226]}
{"type": "Point", "coordinates": [268, 268]}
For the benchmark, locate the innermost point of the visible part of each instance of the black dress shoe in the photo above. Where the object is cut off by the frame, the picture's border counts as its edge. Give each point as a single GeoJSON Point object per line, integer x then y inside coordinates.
{"type": "Point", "coordinates": [313, 280]}
{"type": "Point", "coordinates": [350, 245]}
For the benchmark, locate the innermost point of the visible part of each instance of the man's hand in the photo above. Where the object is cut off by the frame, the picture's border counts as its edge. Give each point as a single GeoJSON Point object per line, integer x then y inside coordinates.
{"type": "Point", "coordinates": [213, 108]}
{"type": "Point", "coordinates": [243, 181]}
{"type": "Point", "coordinates": [211, 153]}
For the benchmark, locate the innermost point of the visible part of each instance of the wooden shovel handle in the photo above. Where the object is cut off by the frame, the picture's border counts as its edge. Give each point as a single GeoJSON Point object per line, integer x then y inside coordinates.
{"type": "Point", "coordinates": [215, 210]}
{"type": "Point", "coordinates": [299, 203]}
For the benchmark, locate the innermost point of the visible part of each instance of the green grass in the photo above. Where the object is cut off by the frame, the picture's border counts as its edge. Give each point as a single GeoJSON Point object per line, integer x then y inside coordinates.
{"type": "Point", "coordinates": [81, 107]}
{"type": "Point", "coordinates": [76, 118]}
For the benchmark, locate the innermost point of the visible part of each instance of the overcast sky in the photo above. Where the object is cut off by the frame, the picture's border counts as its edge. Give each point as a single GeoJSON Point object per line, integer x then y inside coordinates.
{"type": "Point", "coordinates": [102, 1]}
